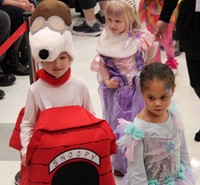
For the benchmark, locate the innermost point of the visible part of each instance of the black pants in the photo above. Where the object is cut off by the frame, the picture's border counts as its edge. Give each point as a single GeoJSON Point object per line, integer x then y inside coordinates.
{"type": "Point", "coordinates": [16, 20]}
{"type": "Point", "coordinates": [193, 66]}
{"type": "Point", "coordinates": [16, 16]}
{"type": "Point", "coordinates": [4, 29]}
{"type": "Point", "coordinates": [87, 4]}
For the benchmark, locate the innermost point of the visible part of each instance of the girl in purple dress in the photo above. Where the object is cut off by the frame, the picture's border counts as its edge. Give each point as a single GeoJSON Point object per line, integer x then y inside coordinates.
{"type": "Point", "coordinates": [123, 50]}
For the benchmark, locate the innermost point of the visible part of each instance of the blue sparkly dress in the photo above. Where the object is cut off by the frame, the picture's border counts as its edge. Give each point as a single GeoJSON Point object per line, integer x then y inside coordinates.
{"type": "Point", "coordinates": [157, 153]}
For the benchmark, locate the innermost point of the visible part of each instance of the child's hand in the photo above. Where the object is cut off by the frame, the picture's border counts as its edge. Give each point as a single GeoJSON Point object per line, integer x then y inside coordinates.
{"type": "Point", "coordinates": [111, 84]}
{"type": "Point", "coordinates": [160, 30]}
{"type": "Point", "coordinates": [23, 160]}
{"type": "Point", "coordinates": [123, 121]}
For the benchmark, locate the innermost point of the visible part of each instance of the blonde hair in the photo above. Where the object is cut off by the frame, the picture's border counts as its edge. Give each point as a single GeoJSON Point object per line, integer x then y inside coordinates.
{"type": "Point", "coordinates": [130, 14]}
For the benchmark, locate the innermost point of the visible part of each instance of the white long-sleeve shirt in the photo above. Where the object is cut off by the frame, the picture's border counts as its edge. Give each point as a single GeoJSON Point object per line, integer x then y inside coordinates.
{"type": "Point", "coordinates": [42, 95]}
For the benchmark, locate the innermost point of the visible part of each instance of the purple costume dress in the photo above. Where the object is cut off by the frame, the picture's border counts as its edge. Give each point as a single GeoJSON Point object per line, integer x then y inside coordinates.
{"type": "Point", "coordinates": [123, 57]}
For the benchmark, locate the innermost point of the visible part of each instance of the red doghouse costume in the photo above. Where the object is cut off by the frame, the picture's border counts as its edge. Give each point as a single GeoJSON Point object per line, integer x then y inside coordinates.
{"type": "Point", "coordinates": [69, 145]}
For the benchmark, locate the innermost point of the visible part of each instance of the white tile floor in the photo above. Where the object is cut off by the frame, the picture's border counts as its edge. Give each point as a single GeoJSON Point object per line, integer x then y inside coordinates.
{"type": "Point", "coordinates": [187, 102]}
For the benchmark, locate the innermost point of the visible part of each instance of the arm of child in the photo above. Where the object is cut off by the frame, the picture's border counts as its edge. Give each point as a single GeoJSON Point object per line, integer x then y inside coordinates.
{"type": "Point", "coordinates": [23, 160]}
{"type": "Point", "coordinates": [98, 65]}
{"type": "Point", "coordinates": [185, 160]}
{"type": "Point", "coordinates": [28, 124]}
{"type": "Point", "coordinates": [184, 155]}
{"type": "Point", "coordinates": [111, 84]}
{"type": "Point", "coordinates": [136, 169]}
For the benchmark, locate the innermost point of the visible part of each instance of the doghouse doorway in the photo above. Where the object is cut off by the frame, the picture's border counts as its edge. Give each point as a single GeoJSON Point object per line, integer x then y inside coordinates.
{"type": "Point", "coordinates": [76, 173]}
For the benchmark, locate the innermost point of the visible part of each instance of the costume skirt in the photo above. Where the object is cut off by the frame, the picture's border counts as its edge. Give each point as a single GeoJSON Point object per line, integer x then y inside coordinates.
{"type": "Point", "coordinates": [125, 102]}
{"type": "Point", "coordinates": [188, 179]}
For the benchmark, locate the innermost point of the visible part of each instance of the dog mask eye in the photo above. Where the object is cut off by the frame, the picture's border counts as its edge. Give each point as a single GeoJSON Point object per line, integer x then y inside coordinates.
{"type": "Point", "coordinates": [37, 24]}
{"type": "Point", "coordinates": [57, 24]}
{"type": "Point", "coordinates": [54, 23]}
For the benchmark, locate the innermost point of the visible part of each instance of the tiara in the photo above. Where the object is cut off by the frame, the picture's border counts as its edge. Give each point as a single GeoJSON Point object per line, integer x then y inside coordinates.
{"type": "Point", "coordinates": [131, 3]}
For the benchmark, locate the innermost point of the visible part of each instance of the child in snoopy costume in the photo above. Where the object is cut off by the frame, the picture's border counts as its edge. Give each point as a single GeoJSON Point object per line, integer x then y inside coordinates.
{"type": "Point", "coordinates": [56, 95]}
{"type": "Point", "coordinates": [49, 38]}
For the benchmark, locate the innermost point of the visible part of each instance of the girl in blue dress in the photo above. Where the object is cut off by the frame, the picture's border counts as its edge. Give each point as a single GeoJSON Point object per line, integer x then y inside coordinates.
{"type": "Point", "coordinates": [155, 142]}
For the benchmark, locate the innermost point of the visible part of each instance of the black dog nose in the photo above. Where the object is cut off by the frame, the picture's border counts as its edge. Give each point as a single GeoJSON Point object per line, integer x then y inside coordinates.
{"type": "Point", "coordinates": [44, 54]}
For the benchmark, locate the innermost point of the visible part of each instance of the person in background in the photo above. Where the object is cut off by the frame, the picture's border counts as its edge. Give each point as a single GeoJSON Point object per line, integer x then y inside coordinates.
{"type": "Point", "coordinates": [91, 27]}
{"type": "Point", "coordinates": [15, 9]}
{"type": "Point", "coordinates": [2, 94]}
{"type": "Point", "coordinates": [149, 12]}
{"type": "Point", "coordinates": [5, 79]}
{"type": "Point", "coordinates": [188, 30]}
{"type": "Point", "coordinates": [177, 49]}
{"type": "Point", "coordinates": [123, 50]}
{"type": "Point", "coordinates": [10, 20]}
{"type": "Point", "coordinates": [155, 143]}
{"type": "Point", "coordinates": [78, 8]}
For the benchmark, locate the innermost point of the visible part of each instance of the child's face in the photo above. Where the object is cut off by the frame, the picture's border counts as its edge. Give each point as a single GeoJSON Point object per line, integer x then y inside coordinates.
{"type": "Point", "coordinates": [116, 25]}
{"type": "Point", "coordinates": [58, 67]}
{"type": "Point", "coordinates": [157, 97]}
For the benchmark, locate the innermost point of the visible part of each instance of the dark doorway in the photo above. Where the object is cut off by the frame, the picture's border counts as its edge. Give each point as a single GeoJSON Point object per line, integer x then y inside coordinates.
{"type": "Point", "coordinates": [76, 173]}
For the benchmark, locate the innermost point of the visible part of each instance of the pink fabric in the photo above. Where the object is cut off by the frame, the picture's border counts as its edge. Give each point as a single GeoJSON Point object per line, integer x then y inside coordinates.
{"type": "Point", "coordinates": [131, 142]}
{"type": "Point", "coordinates": [130, 150]}
{"type": "Point", "coordinates": [166, 42]}
{"type": "Point", "coordinates": [146, 41]}
{"type": "Point", "coordinates": [172, 63]}
{"type": "Point", "coordinates": [95, 66]}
